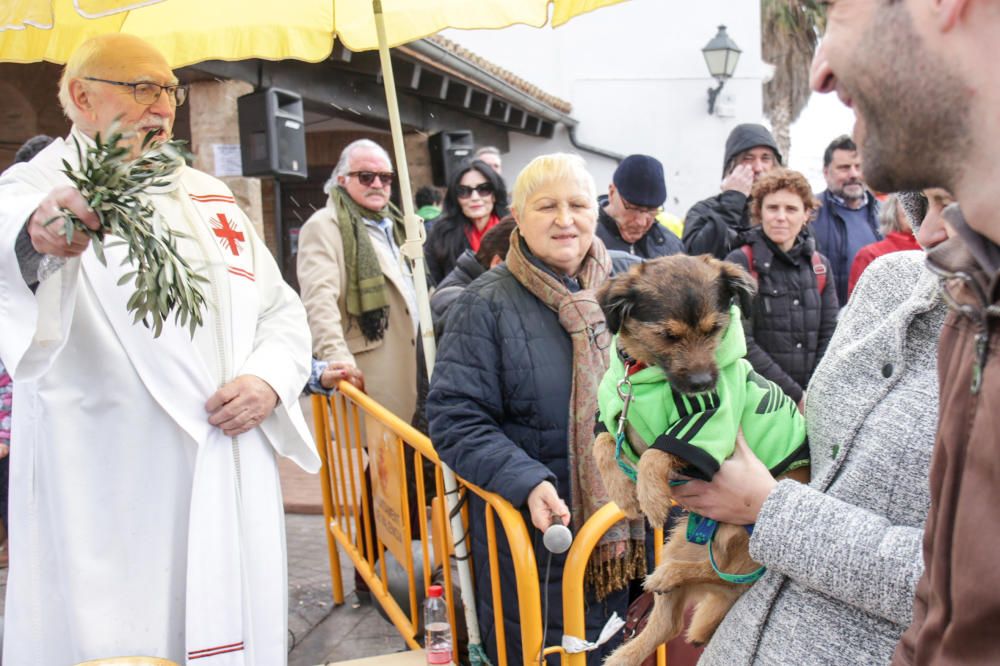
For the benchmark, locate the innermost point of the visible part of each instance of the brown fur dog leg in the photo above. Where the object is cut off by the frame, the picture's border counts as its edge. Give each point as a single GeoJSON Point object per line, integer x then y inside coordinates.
{"type": "Point", "coordinates": [666, 620]}
{"type": "Point", "coordinates": [710, 611]}
{"type": "Point", "coordinates": [620, 488]}
{"type": "Point", "coordinates": [652, 487]}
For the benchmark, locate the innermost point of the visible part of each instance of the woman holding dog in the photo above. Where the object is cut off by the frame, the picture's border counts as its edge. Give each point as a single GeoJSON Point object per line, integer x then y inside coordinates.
{"type": "Point", "coordinates": [514, 393]}
{"type": "Point", "coordinates": [474, 203]}
{"type": "Point", "coordinates": [795, 310]}
{"type": "Point", "coordinates": [843, 554]}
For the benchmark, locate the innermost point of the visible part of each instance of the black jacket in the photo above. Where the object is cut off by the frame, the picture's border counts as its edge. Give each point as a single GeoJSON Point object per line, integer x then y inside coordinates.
{"type": "Point", "coordinates": [658, 242]}
{"type": "Point", "coordinates": [445, 243]}
{"type": "Point", "coordinates": [498, 411]}
{"type": "Point", "coordinates": [791, 323]}
{"type": "Point", "coordinates": [717, 225]}
{"type": "Point", "coordinates": [467, 268]}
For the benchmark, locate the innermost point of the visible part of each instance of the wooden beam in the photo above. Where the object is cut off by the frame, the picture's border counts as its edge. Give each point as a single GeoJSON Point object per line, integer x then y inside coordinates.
{"type": "Point", "coordinates": [478, 102]}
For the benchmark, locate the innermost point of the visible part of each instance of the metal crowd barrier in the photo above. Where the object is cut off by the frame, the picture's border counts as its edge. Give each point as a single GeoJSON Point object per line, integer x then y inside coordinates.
{"type": "Point", "coordinates": [342, 445]}
{"type": "Point", "coordinates": [341, 442]}
{"type": "Point", "coordinates": [584, 543]}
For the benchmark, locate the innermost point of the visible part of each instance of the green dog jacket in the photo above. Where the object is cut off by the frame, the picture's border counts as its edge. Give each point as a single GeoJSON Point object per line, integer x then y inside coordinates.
{"type": "Point", "coordinates": [701, 429]}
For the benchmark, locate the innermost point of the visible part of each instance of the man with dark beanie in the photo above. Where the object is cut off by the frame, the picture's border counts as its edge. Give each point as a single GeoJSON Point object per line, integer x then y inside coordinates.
{"type": "Point", "coordinates": [714, 226]}
{"type": "Point", "coordinates": [627, 215]}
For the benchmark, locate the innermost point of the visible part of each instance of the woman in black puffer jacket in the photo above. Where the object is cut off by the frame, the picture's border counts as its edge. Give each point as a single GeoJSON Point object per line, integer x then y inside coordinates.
{"type": "Point", "coordinates": [795, 310]}
{"type": "Point", "coordinates": [475, 202]}
{"type": "Point", "coordinates": [513, 397]}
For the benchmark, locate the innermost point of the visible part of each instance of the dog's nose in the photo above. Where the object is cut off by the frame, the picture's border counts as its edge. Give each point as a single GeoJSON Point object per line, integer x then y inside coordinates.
{"type": "Point", "coordinates": [701, 381]}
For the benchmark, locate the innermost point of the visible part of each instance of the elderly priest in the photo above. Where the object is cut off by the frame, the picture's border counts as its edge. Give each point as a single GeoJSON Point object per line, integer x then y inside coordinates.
{"type": "Point", "coordinates": [146, 513]}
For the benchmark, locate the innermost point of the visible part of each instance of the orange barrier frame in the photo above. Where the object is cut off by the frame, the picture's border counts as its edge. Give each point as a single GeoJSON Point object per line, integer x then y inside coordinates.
{"type": "Point", "coordinates": [574, 604]}
{"type": "Point", "coordinates": [338, 421]}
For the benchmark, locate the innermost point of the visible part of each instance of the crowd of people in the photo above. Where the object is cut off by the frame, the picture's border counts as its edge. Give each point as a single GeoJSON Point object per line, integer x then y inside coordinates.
{"type": "Point", "coordinates": [874, 317]}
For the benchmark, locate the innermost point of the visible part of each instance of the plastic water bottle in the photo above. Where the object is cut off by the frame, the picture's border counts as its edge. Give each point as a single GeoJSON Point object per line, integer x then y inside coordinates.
{"type": "Point", "coordinates": [437, 643]}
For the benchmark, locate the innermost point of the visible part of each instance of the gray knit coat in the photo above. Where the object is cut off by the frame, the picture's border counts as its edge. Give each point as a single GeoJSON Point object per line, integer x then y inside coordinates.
{"type": "Point", "coordinates": [843, 554]}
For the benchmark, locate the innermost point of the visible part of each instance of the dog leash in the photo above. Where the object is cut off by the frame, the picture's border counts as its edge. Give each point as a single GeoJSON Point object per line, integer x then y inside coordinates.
{"type": "Point", "coordinates": [701, 530]}
{"type": "Point", "coordinates": [624, 389]}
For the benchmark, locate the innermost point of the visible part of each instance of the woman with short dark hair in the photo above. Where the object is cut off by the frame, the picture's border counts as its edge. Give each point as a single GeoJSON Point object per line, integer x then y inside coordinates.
{"type": "Point", "coordinates": [475, 201]}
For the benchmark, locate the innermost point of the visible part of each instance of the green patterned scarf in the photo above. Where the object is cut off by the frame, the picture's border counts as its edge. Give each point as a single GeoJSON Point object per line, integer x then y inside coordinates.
{"type": "Point", "coordinates": [365, 291]}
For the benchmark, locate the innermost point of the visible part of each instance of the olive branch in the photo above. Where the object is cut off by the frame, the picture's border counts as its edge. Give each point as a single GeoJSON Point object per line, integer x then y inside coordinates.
{"type": "Point", "coordinates": [112, 185]}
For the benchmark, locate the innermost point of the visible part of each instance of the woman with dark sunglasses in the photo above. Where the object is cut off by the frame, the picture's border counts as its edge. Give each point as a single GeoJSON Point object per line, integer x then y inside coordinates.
{"type": "Point", "coordinates": [474, 203]}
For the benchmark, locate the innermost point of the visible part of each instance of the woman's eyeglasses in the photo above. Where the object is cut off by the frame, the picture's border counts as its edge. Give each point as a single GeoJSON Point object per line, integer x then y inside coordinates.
{"type": "Point", "coordinates": [147, 93]}
{"type": "Point", "coordinates": [482, 189]}
{"type": "Point", "coordinates": [366, 178]}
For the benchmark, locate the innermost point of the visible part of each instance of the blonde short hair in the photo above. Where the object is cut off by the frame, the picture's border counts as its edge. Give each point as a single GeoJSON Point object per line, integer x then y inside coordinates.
{"type": "Point", "coordinates": [544, 169]}
{"type": "Point", "coordinates": [108, 56]}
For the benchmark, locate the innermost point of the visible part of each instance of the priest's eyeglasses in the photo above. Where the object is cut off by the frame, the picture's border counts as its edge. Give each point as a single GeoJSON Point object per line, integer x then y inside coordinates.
{"type": "Point", "coordinates": [147, 92]}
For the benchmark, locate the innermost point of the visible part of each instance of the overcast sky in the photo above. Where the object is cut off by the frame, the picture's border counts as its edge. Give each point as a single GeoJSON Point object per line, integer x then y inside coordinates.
{"type": "Point", "coordinates": [823, 119]}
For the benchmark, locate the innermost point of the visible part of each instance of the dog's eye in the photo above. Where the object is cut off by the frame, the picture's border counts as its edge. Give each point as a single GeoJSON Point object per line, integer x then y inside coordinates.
{"type": "Point", "coordinates": [670, 337]}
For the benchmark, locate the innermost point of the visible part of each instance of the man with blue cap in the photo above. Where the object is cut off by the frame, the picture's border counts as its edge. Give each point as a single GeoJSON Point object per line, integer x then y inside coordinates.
{"type": "Point", "coordinates": [627, 219]}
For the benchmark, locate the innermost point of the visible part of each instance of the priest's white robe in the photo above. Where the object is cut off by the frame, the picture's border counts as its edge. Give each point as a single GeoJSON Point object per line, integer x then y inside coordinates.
{"type": "Point", "coordinates": [136, 528]}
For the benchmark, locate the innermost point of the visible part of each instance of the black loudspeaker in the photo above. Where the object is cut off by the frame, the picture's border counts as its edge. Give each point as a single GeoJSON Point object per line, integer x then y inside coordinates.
{"type": "Point", "coordinates": [272, 134]}
{"type": "Point", "coordinates": [448, 150]}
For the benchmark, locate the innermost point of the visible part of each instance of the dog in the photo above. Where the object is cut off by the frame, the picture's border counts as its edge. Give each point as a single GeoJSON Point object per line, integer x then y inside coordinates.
{"type": "Point", "coordinates": [678, 374]}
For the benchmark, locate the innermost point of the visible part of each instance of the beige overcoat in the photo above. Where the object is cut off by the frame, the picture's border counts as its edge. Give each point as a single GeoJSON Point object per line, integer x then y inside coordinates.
{"type": "Point", "coordinates": [390, 364]}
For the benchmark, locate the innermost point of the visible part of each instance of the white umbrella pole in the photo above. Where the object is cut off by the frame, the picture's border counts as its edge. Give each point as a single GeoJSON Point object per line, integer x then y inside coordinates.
{"type": "Point", "coordinates": [413, 249]}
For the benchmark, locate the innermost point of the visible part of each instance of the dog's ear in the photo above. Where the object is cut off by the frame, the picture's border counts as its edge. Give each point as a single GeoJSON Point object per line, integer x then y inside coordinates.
{"type": "Point", "coordinates": [616, 298]}
{"type": "Point", "coordinates": [737, 284]}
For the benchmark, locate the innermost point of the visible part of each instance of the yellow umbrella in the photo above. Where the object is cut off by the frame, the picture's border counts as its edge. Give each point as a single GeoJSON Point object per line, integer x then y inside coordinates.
{"type": "Point", "coordinates": [192, 31]}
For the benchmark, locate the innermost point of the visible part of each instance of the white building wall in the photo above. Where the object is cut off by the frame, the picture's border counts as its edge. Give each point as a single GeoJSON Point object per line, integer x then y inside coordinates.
{"type": "Point", "coordinates": [638, 83]}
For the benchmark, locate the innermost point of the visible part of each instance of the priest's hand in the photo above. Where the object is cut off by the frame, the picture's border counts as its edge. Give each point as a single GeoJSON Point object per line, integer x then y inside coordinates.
{"type": "Point", "coordinates": [241, 405]}
{"type": "Point", "coordinates": [49, 239]}
{"type": "Point", "coordinates": [338, 370]}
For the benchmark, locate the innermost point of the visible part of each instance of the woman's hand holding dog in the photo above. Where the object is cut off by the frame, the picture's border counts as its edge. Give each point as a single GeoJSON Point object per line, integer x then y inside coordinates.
{"type": "Point", "coordinates": [737, 491]}
{"type": "Point", "coordinates": [544, 503]}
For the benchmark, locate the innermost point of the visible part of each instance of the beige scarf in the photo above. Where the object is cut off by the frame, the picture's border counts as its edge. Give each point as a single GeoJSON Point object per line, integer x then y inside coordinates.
{"type": "Point", "coordinates": [620, 555]}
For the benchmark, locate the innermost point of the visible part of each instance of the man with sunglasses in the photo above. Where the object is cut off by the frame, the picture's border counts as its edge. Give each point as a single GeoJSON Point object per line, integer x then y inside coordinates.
{"type": "Point", "coordinates": [146, 512]}
{"type": "Point", "coordinates": [358, 290]}
{"type": "Point", "coordinates": [627, 217]}
{"type": "Point", "coordinates": [357, 286]}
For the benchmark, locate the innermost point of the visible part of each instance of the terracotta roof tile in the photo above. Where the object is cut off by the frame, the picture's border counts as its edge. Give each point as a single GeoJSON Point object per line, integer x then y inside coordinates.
{"type": "Point", "coordinates": [502, 74]}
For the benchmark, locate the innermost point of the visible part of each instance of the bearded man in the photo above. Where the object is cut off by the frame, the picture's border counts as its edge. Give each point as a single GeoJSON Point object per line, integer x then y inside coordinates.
{"type": "Point", "coordinates": [847, 219]}
{"type": "Point", "coordinates": [146, 514]}
{"type": "Point", "coordinates": [926, 106]}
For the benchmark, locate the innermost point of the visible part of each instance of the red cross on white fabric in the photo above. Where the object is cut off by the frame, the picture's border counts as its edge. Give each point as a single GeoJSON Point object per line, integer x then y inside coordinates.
{"type": "Point", "coordinates": [228, 234]}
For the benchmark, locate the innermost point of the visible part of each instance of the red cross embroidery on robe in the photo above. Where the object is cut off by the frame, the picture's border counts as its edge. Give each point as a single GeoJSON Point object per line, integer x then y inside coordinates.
{"type": "Point", "coordinates": [228, 235]}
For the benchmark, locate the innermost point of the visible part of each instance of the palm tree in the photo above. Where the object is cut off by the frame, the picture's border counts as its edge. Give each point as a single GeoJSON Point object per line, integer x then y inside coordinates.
{"type": "Point", "coordinates": [790, 30]}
